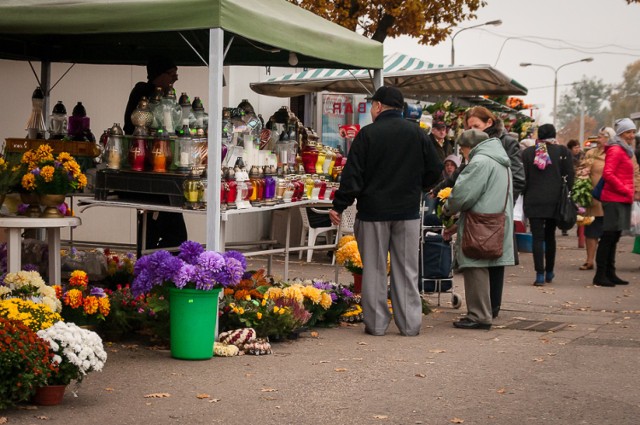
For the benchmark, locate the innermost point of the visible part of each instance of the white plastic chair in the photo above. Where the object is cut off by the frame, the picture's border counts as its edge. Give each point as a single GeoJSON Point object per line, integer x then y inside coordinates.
{"type": "Point", "coordinates": [346, 225]}
{"type": "Point", "coordinates": [310, 234]}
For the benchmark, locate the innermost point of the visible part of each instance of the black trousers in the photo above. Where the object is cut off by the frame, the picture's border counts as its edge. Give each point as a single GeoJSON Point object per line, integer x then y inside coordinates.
{"type": "Point", "coordinates": [496, 284]}
{"type": "Point", "coordinates": [543, 230]}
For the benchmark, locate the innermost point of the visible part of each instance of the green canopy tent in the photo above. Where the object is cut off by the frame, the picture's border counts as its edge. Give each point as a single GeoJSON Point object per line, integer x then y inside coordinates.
{"type": "Point", "coordinates": [192, 32]}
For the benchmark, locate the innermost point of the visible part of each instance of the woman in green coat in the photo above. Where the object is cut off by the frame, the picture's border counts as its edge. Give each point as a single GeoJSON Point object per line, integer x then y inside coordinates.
{"type": "Point", "coordinates": [483, 186]}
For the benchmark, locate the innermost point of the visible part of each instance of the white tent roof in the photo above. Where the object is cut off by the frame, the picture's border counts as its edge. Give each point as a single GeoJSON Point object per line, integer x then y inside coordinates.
{"type": "Point", "coordinates": [414, 77]}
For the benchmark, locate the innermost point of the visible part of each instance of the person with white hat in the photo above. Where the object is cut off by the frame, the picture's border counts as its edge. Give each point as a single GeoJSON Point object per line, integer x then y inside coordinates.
{"type": "Point", "coordinates": [617, 196]}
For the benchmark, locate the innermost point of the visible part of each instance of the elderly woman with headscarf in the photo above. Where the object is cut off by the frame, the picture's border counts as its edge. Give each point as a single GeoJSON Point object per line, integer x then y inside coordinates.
{"type": "Point", "coordinates": [546, 165]}
{"type": "Point", "coordinates": [617, 196]}
{"type": "Point", "coordinates": [484, 186]}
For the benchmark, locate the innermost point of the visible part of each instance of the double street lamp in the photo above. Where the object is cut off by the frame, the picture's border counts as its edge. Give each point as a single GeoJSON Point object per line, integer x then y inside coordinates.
{"type": "Point", "coordinates": [555, 80]}
{"type": "Point", "coordinates": [453, 51]}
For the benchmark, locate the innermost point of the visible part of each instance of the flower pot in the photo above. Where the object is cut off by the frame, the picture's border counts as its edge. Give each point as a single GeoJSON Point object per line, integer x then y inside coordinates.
{"type": "Point", "coordinates": [51, 203]}
{"type": "Point", "coordinates": [192, 316]}
{"type": "Point", "coordinates": [31, 199]}
{"type": "Point", "coordinates": [357, 283]}
{"type": "Point", "coordinates": [49, 395]}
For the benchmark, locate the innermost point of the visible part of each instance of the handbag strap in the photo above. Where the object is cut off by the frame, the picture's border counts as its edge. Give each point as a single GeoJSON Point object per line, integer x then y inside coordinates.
{"type": "Point", "coordinates": [506, 198]}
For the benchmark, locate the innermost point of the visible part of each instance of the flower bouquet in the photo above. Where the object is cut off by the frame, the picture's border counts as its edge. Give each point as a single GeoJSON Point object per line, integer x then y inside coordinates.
{"type": "Point", "coordinates": [119, 268]}
{"type": "Point", "coordinates": [26, 362]}
{"type": "Point", "coordinates": [76, 351]}
{"type": "Point", "coordinates": [46, 174]}
{"type": "Point", "coordinates": [341, 299]}
{"type": "Point", "coordinates": [28, 285]}
{"type": "Point", "coordinates": [443, 195]}
{"type": "Point", "coordinates": [33, 315]}
{"type": "Point", "coordinates": [270, 318]}
{"type": "Point", "coordinates": [347, 254]}
{"type": "Point", "coordinates": [80, 303]}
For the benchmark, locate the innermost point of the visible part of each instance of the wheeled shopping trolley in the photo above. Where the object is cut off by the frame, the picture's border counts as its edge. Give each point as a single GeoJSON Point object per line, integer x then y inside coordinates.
{"type": "Point", "coordinates": [436, 260]}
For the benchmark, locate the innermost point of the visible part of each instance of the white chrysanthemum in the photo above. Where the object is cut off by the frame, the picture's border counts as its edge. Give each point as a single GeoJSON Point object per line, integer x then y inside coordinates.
{"type": "Point", "coordinates": [4, 291]}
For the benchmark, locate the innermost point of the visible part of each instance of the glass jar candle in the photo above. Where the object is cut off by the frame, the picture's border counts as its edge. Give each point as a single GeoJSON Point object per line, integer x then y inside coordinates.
{"type": "Point", "coordinates": [309, 157]}
{"type": "Point", "coordinates": [322, 154]}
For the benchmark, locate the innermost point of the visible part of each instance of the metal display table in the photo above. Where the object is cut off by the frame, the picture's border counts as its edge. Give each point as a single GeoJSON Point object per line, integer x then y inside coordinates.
{"type": "Point", "coordinates": [225, 216]}
{"type": "Point", "coordinates": [14, 226]}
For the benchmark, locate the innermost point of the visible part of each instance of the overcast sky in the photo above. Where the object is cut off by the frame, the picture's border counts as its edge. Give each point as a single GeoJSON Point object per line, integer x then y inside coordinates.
{"type": "Point", "coordinates": [596, 26]}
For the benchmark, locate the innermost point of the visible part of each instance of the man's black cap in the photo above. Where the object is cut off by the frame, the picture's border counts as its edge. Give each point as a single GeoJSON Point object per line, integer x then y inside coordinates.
{"type": "Point", "coordinates": [389, 96]}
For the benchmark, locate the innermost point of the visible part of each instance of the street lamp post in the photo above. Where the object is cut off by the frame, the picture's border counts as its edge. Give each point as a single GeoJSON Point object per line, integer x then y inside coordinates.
{"type": "Point", "coordinates": [453, 50]}
{"type": "Point", "coordinates": [555, 80]}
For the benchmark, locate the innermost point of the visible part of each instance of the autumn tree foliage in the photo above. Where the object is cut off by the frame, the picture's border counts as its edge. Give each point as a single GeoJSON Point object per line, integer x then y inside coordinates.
{"type": "Point", "coordinates": [429, 21]}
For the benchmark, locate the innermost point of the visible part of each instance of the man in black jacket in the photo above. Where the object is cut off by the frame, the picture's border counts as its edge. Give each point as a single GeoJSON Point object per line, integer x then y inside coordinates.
{"type": "Point", "coordinates": [390, 163]}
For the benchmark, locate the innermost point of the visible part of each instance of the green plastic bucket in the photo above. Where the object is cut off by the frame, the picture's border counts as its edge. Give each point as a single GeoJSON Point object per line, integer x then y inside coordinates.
{"type": "Point", "coordinates": [193, 315]}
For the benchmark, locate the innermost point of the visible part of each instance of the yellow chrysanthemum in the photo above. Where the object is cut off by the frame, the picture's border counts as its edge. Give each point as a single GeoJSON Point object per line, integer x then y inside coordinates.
{"type": "Point", "coordinates": [273, 293]}
{"type": "Point", "coordinates": [344, 240]}
{"type": "Point", "coordinates": [78, 278]}
{"type": "Point", "coordinates": [90, 305]}
{"type": "Point", "coordinates": [349, 253]}
{"type": "Point", "coordinates": [64, 157]}
{"type": "Point", "coordinates": [259, 315]}
{"type": "Point", "coordinates": [34, 315]}
{"type": "Point", "coordinates": [104, 306]}
{"type": "Point", "coordinates": [82, 181]}
{"type": "Point", "coordinates": [47, 173]}
{"type": "Point", "coordinates": [444, 193]}
{"type": "Point", "coordinates": [312, 293]}
{"type": "Point", "coordinates": [28, 181]}
{"type": "Point", "coordinates": [73, 298]}
{"type": "Point", "coordinates": [293, 292]}
{"type": "Point", "coordinates": [325, 300]}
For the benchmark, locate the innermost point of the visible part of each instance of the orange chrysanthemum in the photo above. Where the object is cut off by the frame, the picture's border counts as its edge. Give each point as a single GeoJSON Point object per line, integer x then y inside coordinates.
{"type": "Point", "coordinates": [73, 298]}
{"type": "Point", "coordinates": [90, 304]}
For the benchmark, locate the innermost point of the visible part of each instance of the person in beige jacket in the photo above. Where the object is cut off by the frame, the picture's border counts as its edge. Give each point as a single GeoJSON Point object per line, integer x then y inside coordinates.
{"type": "Point", "coordinates": [593, 164]}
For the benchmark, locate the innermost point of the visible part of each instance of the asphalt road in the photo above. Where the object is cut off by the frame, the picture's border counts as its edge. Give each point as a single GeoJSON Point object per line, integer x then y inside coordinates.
{"type": "Point", "coordinates": [579, 367]}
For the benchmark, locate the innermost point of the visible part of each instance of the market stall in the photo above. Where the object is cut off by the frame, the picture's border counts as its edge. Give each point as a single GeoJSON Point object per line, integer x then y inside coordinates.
{"type": "Point", "coordinates": [213, 33]}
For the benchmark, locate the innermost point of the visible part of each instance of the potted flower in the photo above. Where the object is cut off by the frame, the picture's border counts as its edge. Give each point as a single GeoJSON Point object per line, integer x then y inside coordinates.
{"type": "Point", "coordinates": [9, 177]}
{"type": "Point", "coordinates": [191, 281]}
{"type": "Point", "coordinates": [270, 318]}
{"type": "Point", "coordinates": [35, 316]}
{"type": "Point", "coordinates": [126, 314]}
{"type": "Point", "coordinates": [316, 301]}
{"type": "Point", "coordinates": [76, 352]}
{"type": "Point", "coordinates": [82, 304]}
{"type": "Point", "coordinates": [29, 285]}
{"type": "Point", "coordinates": [51, 177]}
{"type": "Point", "coordinates": [26, 362]}
{"type": "Point", "coordinates": [341, 299]}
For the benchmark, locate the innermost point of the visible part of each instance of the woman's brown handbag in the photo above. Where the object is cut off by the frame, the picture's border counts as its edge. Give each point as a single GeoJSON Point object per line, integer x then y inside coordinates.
{"type": "Point", "coordinates": [483, 234]}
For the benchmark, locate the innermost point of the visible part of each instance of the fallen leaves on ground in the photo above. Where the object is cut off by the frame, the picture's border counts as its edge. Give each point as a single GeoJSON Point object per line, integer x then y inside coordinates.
{"type": "Point", "coordinates": [341, 369]}
{"type": "Point", "coordinates": [157, 395]}
{"type": "Point", "coordinates": [268, 390]}
{"type": "Point", "coordinates": [380, 417]}
{"type": "Point", "coordinates": [108, 389]}
{"type": "Point", "coordinates": [501, 391]}
{"type": "Point", "coordinates": [42, 418]}
{"type": "Point", "coordinates": [421, 375]}
{"type": "Point", "coordinates": [3, 420]}
{"type": "Point", "coordinates": [538, 359]}
{"type": "Point", "coordinates": [457, 421]}
{"type": "Point", "coordinates": [214, 400]}
{"type": "Point", "coordinates": [437, 351]}
{"type": "Point", "coordinates": [315, 334]}
{"type": "Point", "coordinates": [202, 396]}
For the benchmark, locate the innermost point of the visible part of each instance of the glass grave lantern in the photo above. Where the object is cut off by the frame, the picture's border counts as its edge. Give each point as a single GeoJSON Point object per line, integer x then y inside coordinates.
{"type": "Point", "coordinates": [35, 125]}
{"type": "Point", "coordinates": [114, 150]}
{"type": "Point", "coordinates": [184, 154]}
{"type": "Point", "coordinates": [58, 122]}
{"type": "Point", "coordinates": [185, 109]}
{"type": "Point", "coordinates": [167, 114]}
{"type": "Point", "coordinates": [193, 190]}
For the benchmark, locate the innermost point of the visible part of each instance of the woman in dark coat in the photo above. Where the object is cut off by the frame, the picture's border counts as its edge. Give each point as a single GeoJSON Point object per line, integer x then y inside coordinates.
{"type": "Point", "coordinates": [546, 165]}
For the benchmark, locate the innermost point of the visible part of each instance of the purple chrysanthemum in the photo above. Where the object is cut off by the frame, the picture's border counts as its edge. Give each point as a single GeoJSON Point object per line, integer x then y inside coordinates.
{"type": "Point", "coordinates": [22, 209]}
{"type": "Point", "coordinates": [154, 269]}
{"type": "Point", "coordinates": [238, 256]}
{"type": "Point", "coordinates": [231, 274]}
{"type": "Point", "coordinates": [190, 251]}
{"type": "Point", "coordinates": [185, 275]}
{"type": "Point", "coordinates": [97, 292]}
{"type": "Point", "coordinates": [30, 268]}
{"type": "Point", "coordinates": [327, 286]}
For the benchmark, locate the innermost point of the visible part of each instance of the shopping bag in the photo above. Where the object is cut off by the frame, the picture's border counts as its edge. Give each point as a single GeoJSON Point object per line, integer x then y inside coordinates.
{"type": "Point", "coordinates": [635, 219]}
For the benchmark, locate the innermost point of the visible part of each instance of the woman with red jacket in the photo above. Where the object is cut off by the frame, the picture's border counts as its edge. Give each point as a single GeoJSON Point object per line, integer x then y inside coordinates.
{"type": "Point", "coordinates": [617, 196]}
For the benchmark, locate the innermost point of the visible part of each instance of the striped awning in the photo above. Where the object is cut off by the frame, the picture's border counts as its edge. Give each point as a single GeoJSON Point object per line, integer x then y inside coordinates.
{"type": "Point", "coordinates": [414, 77]}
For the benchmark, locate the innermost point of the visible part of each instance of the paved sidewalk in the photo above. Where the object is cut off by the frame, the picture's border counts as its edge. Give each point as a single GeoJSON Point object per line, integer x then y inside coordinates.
{"type": "Point", "coordinates": [585, 372]}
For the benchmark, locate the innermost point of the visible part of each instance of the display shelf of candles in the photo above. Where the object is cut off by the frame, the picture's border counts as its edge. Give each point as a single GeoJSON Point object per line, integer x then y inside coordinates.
{"type": "Point", "coordinates": [260, 166]}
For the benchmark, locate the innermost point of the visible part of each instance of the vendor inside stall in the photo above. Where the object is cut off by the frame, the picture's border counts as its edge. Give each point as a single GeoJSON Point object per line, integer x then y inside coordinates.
{"type": "Point", "coordinates": [164, 229]}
